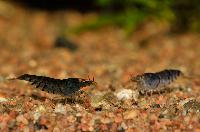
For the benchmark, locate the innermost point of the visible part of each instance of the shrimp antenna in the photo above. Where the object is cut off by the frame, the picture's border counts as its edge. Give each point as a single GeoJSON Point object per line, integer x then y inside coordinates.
{"type": "Point", "coordinates": [89, 77]}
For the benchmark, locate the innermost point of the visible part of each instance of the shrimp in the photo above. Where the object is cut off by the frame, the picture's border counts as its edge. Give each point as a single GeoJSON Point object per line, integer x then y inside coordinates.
{"type": "Point", "coordinates": [64, 87]}
{"type": "Point", "coordinates": [152, 82]}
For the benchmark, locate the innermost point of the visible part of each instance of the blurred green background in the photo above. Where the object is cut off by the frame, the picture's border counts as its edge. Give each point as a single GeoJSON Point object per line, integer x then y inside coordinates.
{"type": "Point", "coordinates": [182, 15]}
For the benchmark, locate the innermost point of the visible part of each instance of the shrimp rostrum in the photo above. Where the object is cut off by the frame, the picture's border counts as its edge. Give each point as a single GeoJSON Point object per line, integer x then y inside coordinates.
{"type": "Point", "coordinates": [64, 87]}
{"type": "Point", "coordinates": [155, 82]}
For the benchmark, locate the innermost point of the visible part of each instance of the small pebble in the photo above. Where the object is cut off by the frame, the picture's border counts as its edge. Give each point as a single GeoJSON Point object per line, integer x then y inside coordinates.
{"type": "Point", "coordinates": [60, 109]}
{"type": "Point", "coordinates": [41, 108]}
{"type": "Point", "coordinates": [130, 114]}
{"type": "Point", "coordinates": [2, 99]}
{"type": "Point", "coordinates": [125, 94]}
{"type": "Point", "coordinates": [21, 119]}
{"type": "Point", "coordinates": [36, 116]}
{"type": "Point", "coordinates": [56, 129]}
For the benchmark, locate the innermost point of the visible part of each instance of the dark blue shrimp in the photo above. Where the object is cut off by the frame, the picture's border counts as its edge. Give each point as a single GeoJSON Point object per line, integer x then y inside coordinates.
{"type": "Point", "coordinates": [150, 82]}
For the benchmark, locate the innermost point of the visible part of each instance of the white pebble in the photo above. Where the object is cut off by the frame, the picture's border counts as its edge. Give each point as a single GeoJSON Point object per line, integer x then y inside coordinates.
{"type": "Point", "coordinates": [36, 116]}
{"type": "Point", "coordinates": [124, 94]}
{"type": "Point", "coordinates": [3, 99]}
{"type": "Point", "coordinates": [60, 109]}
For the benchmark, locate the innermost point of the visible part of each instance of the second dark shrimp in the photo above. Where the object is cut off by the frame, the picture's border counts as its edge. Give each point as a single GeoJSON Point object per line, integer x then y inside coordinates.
{"type": "Point", "coordinates": [150, 82]}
